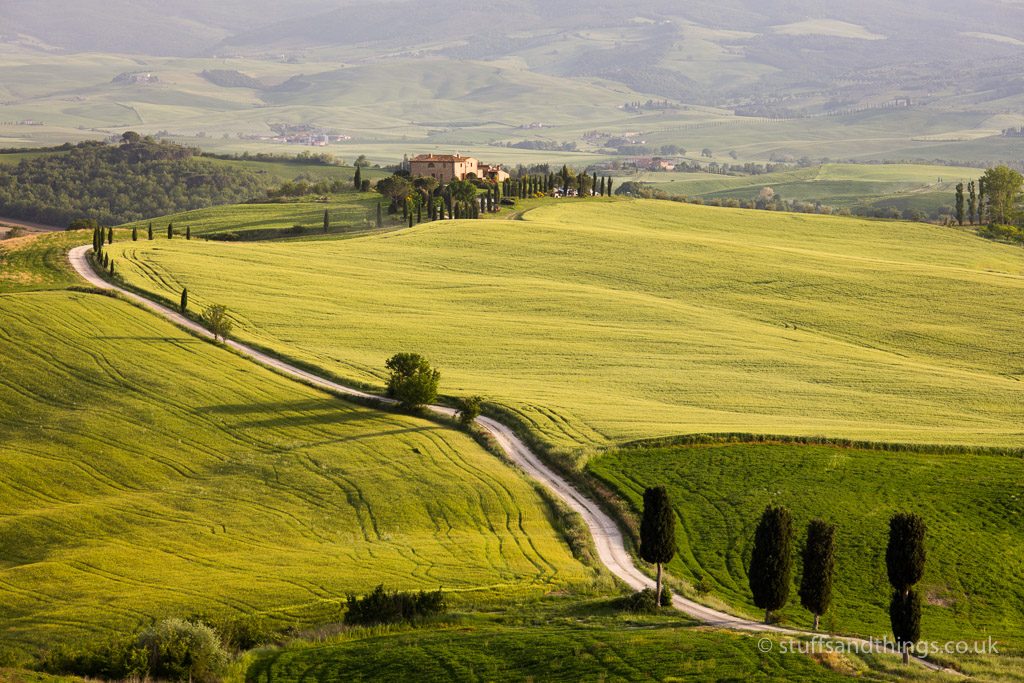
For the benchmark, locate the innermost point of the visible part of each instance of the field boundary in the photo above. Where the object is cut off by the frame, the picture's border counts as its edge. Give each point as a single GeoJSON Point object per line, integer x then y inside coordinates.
{"type": "Point", "coordinates": [608, 538]}
{"type": "Point", "coordinates": [717, 438]}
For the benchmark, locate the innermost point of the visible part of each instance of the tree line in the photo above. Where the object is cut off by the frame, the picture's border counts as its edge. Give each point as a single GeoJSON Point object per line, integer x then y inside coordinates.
{"type": "Point", "coordinates": [770, 570]}
{"type": "Point", "coordinates": [993, 202]}
{"type": "Point", "coordinates": [120, 183]}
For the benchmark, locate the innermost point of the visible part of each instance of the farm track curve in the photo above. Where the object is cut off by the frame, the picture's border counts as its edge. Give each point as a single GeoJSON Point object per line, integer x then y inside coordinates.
{"type": "Point", "coordinates": [608, 538]}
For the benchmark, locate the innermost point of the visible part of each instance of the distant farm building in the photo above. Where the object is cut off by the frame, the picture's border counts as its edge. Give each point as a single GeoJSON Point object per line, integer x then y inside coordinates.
{"type": "Point", "coordinates": [448, 167]}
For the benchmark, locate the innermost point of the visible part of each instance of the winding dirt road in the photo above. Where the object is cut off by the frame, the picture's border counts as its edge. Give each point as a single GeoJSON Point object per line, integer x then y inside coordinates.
{"type": "Point", "coordinates": [611, 547]}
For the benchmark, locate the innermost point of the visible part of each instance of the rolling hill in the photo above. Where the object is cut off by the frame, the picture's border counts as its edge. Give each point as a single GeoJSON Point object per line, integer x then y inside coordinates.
{"type": "Point", "coordinates": [150, 474]}
{"type": "Point", "coordinates": [737, 321]}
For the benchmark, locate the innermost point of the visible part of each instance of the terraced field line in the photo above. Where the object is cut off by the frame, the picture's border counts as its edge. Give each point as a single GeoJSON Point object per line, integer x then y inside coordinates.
{"type": "Point", "coordinates": [611, 546]}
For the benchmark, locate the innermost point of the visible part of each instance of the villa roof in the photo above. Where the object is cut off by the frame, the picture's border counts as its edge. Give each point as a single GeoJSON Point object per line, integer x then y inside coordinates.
{"type": "Point", "coordinates": [441, 157]}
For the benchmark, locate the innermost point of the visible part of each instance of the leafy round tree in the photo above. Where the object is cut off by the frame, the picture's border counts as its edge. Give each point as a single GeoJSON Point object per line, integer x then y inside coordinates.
{"type": "Point", "coordinates": [819, 567]}
{"type": "Point", "coordinates": [217, 321]}
{"type": "Point", "coordinates": [412, 381]}
{"type": "Point", "coordinates": [657, 531]}
{"type": "Point", "coordinates": [771, 561]}
{"type": "Point", "coordinates": [905, 617]}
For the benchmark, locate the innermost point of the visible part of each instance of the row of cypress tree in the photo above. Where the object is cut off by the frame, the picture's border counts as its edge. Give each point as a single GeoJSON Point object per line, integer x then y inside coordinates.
{"type": "Point", "coordinates": [771, 562]}
{"type": "Point", "coordinates": [771, 567]}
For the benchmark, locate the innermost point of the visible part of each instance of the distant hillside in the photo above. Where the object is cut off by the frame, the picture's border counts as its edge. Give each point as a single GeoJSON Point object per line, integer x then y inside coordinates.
{"type": "Point", "coordinates": [115, 184]}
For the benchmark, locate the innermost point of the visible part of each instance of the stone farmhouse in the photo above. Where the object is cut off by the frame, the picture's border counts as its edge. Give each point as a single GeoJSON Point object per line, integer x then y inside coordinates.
{"type": "Point", "coordinates": [448, 167]}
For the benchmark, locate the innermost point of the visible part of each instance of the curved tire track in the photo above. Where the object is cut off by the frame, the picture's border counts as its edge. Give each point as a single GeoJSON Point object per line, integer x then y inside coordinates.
{"type": "Point", "coordinates": [611, 546]}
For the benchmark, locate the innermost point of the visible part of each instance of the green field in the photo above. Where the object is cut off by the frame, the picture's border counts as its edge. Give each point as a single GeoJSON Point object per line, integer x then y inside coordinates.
{"type": "Point", "coordinates": [736, 320]}
{"type": "Point", "coordinates": [560, 642]}
{"type": "Point", "coordinates": [923, 187]}
{"type": "Point", "coordinates": [971, 503]}
{"type": "Point", "coordinates": [148, 473]}
{"type": "Point", "coordinates": [350, 212]}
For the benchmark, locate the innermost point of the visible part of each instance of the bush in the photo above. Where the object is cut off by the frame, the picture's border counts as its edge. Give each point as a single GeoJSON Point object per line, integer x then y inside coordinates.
{"type": "Point", "coordinates": [469, 410]}
{"type": "Point", "coordinates": [180, 650]}
{"type": "Point", "coordinates": [645, 601]}
{"type": "Point", "coordinates": [382, 607]}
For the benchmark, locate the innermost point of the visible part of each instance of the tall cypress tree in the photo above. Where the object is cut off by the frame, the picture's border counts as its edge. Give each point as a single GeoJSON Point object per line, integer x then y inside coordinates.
{"type": "Point", "coordinates": [357, 181]}
{"type": "Point", "coordinates": [972, 202]}
{"type": "Point", "coordinates": [981, 201]}
{"type": "Point", "coordinates": [771, 560]}
{"type": "Point", "coordinates": [188, 232]}
{"type": "Point", "coordinates": [135, 233]}
{"type": "Point", "coordinates": [150, 231]}
{"type": "Point", "coordinates": [110, 235]}
{"type": "Point", "coordinates": [609, 187]}
{"type": "Point", "coordinates": [819, 566]}
{"type": "Point", "coordinates": [170, 231]}
{"type": "Point", "coordinates": [183, 304]}
{"type": "Point", "coordinates": [960, 203]}
{"type": "Point", "coordinates": [657, 531]}
{"type": "Point", "coordinates": [327, 220]}
{"type": "Point", "coordinates": [593, 183]}
{"type": "Point", "coordinates": [904, 562]}
{"type": "Point", "coordinates": [905, 617]}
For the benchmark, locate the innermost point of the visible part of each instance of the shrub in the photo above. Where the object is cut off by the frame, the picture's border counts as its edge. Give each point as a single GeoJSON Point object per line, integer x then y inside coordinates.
{"type": "Point", "coordinates": [469, 409]}
{"type": "Point", "coordinates": [180, 650]}
{"type": "Point", "coordinates": [645, 601]}
{"type": "Point", "coordinates": [383, 607]}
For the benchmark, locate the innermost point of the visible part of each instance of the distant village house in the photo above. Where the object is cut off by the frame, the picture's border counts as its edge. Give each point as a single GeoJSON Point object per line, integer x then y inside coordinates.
{"type": "Point", "coordinates": [448, 167]}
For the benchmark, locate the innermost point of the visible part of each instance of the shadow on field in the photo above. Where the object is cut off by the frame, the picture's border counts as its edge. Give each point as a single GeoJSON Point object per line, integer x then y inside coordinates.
{"type": "Point", "coordinates": [312, 412]}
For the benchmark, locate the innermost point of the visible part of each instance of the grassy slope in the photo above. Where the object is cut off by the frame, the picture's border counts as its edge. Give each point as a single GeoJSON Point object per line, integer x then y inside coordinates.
{"type": "Point", "coordinates": [349, 212]}
{"type": "Point", "coordinates": [148, 473]}
{"type": "Point", "coordinates": [736, 321]}
{"type": "Point", "coordinates": [971, 503]}
{"type": "Point", "coordinates": [561, 644]}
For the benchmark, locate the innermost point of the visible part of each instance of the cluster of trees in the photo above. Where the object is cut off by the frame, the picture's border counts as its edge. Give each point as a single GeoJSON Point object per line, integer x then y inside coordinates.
{"type": "Point", "coordinates": [114, 184]}
{"type": "Point", "coordinates": [422, 196]}
{"type": "Point", "coordinates": [545, 145]}
{"type": "Point", "coordinates": [649, 105]}
{"type": "Point", "coordinates": [304, 188]}
{"type": "Point", "coordinates": [995, 198]}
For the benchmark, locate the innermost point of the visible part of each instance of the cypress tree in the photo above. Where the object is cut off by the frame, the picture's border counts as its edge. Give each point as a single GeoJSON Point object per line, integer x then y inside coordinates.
{"type": "Point", "coordinates": [905, 617]}
{"type": "Point", "coordinates": [905, 555]}
{"type": "Point", "coordinates": [135, 233]}
{"type": "Point", "coordinates": [106, 260]}
{"type": "Point", "coordinates": [904, 562]}
{"type": "Point", "coordinates": [380, 217]}
{"type": "Point", "coordinates": [357, 181]}
{"type": "Point", "coordinates": [819, 566]}
{"type": "Point", "coordinates": [183, 305]}
{"type": "Point", "coordinates": [170, 231]}
{"type": "Point", "coordinates": [771, 561]}
{"type": "Point", "coordinates": [110, 235]}
{"type": "Point", "coordinates": [419, 212]}
{"type": "Point", "coordinates": [409, 213]}
{"type": "Point", "coordinates": [960, 203]}
{"type": "Point", "coordinates": [593, 185]}
{"type": "Point", "coordinates": [972, 202]}
{"type": "Point", "coordinates": [111, 267]}
{"type": "Point", "coordinates": [609, 187]}
{"type": "Point", "coordinates": [327, 219]}
{"type": "Point", "coordinates": [150, 231]}
{"type": "Point", "coordinates": [981, 201]}
{"type": "Point", "coordinates": [188, 232]}
{"type": "Point", "coordinates": [657, 531]}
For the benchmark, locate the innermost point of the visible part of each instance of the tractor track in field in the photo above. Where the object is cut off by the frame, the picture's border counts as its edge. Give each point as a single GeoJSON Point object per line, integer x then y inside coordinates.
{"type": "Point", "coordinates": [608, 537]}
